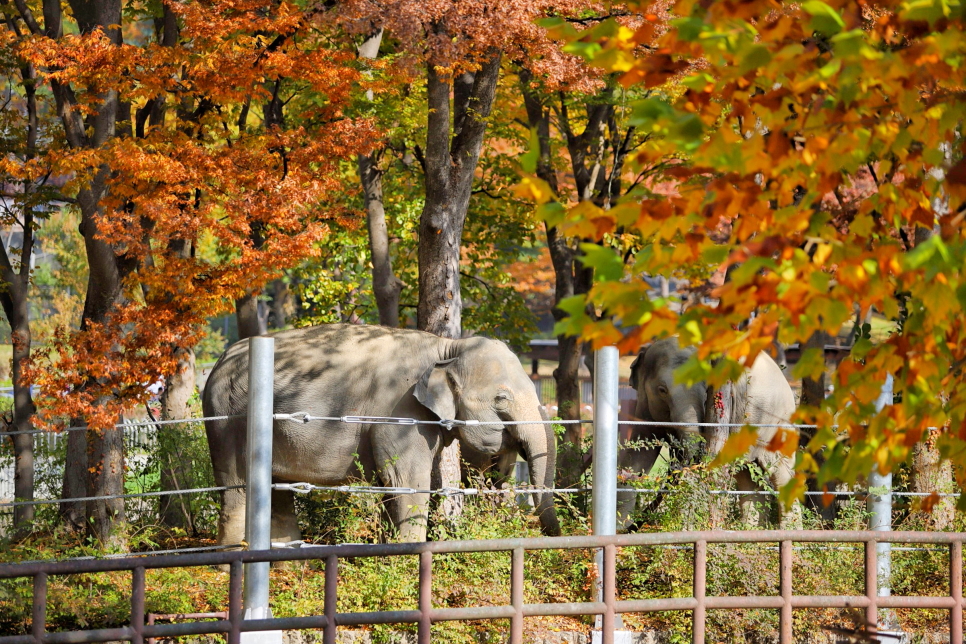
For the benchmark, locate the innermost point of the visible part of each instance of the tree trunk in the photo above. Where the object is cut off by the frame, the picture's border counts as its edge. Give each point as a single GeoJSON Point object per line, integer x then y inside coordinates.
{"type": "Point", "coordinates": [103, 471]}
{"type": "Point", "coordinates": [450, 167]}
{"type": "Point", "coordinates": [250, 321]}
{"type": "Point", "coordinates": [929, 472]}
{"type": "Point", "coordinates": [283, 304]}
{"type": "Point", "coordinates": [386, 287]}
{"type": "Point", "coordinates": [13, 298]}
{"type": "Point", "coordinates": [75, 479]}
{"type": "Point", "coordinates": [570, 462]}
{"type": "Point", "coordinates": [23, 411]}
{"type": "Point", "coordinates": [175, 511]}
{"type": "Point", "coordinates": [14, 293]}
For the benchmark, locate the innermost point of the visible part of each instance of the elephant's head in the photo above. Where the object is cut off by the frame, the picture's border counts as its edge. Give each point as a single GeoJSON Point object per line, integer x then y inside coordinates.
{"type": "Point", "coordinates": [485, 382]}
{"type": "Point", "coordinates": [659, 397]}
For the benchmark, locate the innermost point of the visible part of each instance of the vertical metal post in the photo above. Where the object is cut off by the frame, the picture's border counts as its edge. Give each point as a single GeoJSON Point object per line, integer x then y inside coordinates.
{"type": "Point", "coordinates": [137, 605]}
{"type": "Point", "coordinates": [425, 626]}
{"type": "Point", "coordinates": [700, 613]}
{"type": "Point", "coordinates": [331, 605]}
{"type": "Point", "coordinates": [258, 507]}
{"type": "Point", "coordinates": [785, 582]}
{"type": "Point", "coordinates": [39, 613]}
{"type": "Point", "coordinates": [880, 505]}
{"type": "Point", "coordinates": [516, 596]}
{"type": "Point", "coordinates": [606, 404]}
{"type": "Point", "coordinates": [235, 602]}
{"type": "Point", "coordinates": [871, 586]}
{"type": "Point", "coordinates": [956, 591]}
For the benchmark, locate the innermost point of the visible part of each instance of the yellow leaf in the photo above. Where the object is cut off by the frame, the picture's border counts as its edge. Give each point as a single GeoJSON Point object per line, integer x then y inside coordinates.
{"type": "Point", "coordinates": [736, 446]}
{"type": "Point", "coordinates": [534, 189]}
{"type": "Point", "coordinates": [822, 252]}
{"type": "Point", "coordinates": [792, 491]}
{"type": "Point", "coordinates": [784, 441]}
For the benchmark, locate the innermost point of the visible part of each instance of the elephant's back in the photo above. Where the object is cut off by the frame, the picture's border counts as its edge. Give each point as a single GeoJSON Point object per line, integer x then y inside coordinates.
{"type": "Point", "coordinates": [328, 370]}
{"type": "Point", "coordinates": [770, 397]}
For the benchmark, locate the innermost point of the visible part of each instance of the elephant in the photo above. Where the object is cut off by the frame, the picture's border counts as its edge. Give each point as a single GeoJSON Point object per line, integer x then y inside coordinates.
{"type": "Point", "coordinates": [761, 396]}
{"type": "Point", "coordinates": [372, 371]}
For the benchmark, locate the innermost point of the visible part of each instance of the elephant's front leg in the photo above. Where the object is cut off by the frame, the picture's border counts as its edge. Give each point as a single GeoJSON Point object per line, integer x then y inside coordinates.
{"type": "Point", "coordinates": [404, 457]}
{"type": "Point", "coordinates": [409, 513]}
{"type": "Point", "coordinates": [633, 462]}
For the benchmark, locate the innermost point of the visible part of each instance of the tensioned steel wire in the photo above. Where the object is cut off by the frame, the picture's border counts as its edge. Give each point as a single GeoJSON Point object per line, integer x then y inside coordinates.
{"type": "Point", "coordinates": [449, 424]}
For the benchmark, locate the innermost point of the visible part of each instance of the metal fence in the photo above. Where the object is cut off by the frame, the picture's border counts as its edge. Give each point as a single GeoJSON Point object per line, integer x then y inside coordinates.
{"type": "Point", "coordinates": [610, 605]}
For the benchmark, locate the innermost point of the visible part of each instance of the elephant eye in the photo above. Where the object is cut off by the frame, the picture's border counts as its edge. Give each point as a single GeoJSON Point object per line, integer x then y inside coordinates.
{"type": "Point", "coordinates": [661, 389]}
{"type": "Point", "coordinates": [502, 399]}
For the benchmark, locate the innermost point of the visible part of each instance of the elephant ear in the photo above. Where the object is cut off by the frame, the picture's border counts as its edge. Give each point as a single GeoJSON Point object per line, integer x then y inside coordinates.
{"type": "Point", "coordinates": [636, 366]}
{"type": "Point", "coordinates": [437, 390]}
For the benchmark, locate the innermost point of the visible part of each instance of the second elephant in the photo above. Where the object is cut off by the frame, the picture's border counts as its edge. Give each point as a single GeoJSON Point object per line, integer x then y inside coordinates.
{"type": "Point", "coordinates": [762, 396]}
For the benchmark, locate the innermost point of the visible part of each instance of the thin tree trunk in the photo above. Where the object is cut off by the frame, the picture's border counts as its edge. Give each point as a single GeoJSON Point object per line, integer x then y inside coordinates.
{"type": "Point", "coordinates": [175, 511]}
{"type": "Point", "coordinates": [14, 298]}
{"type": "Point", "coordinates": [570, 462]}
{"type": "Point", "coordinates": [930, 473]}
{"type": "Point", "coordinates": [23, 411]}
{"type": "Point", "coordinates": [75, 479]}
{"type": "Point", "coordinates": [450, 168]}
{"type": "Point", "coordinates": [282, 304]}
{"type": "Point", "coordinates": [250, 322]}
{"type": "Point", "coordinates": [386, 287]}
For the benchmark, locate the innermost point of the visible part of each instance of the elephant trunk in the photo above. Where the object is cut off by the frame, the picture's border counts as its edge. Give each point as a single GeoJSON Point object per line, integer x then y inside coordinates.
{"type": "Point", "coordinates": [688, 411]}
{"type": "Point", "coordinates": [540, 449]}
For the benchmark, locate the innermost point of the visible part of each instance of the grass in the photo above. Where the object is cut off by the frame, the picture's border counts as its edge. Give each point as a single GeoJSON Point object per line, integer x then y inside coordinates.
{"type": "Point", "coordinates": [460, 580]}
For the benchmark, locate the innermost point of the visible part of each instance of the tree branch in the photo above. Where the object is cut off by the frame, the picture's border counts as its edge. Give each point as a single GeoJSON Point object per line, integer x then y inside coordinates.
{"type": "Point", "coordinates": [477, 279]}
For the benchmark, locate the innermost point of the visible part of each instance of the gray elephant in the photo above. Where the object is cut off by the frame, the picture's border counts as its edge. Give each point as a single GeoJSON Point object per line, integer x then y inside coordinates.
{"type": "Point", "coordinates": [353, 370]}
{"type": "Point", "coordinates": [761, 396]}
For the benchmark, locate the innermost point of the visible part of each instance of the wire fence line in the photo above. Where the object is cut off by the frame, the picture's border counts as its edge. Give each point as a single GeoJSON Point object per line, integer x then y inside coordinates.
{"type": "Point", "coordinates": [306, 488]}
{"type": "Point", "coordinates": [306, 417]}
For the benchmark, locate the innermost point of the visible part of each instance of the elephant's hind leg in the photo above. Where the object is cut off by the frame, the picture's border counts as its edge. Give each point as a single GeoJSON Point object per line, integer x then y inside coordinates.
{"type": "Point", "coordinates": [754, 505]}
{"type": "Point", "coordinates": [231, 520]}
{"type": "Point", "coordinates": [781, 473]}
{"type": "Point", "coordinates": [285, 525]}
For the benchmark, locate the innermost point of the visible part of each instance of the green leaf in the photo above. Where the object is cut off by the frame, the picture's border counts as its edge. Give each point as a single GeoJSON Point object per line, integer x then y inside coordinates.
{"type": "Point", "coordinates": [756, 57]}
{"type": "Point", "coordinates": [698, 82]}
{"type": "Point", "coordinates": [926, 10]}
{"type": "Point", "coordinates": [689, 29]}
{"type": "Point", "coordinates": [529, 159]}
{"type": "Point", "coordinates": [810, 365]}
{"type": "Point", "coordinates": [607, 264]}
{"type": "Point", "coordinates": [689, 130]}
{"type": "Point", "coordinates": [825, 19]}
{"type": "Point", "coordinates": [715, 255]}
{"type": "Point", "coordinates": [553, 213]}
{"type": "Point", "coordinates": [849, 43]}
{"type": "Point", "coordinates": [649, 112]}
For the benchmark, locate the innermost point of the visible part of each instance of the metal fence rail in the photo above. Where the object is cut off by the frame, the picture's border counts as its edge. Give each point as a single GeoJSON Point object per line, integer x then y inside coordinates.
{"type": "Point", "coordinates": [425, 615]}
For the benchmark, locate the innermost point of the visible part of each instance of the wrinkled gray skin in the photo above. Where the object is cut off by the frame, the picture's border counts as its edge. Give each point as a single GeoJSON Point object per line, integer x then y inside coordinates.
{"type": "Point", "coordinates": [762, 396]}
{"type": "Point", "coordinates": [353, 370]}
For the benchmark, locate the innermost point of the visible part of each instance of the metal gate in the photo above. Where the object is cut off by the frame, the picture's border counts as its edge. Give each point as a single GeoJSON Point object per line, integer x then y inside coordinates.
{"type": "Point", "coordinates": [425, 615]}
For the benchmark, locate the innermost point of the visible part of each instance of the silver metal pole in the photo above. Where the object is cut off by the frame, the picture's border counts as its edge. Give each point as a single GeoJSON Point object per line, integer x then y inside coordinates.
{"type": "Point", "coordinates": [258, 507]}
{"type": "Point", "coordinates": [606, 404]}
{"type": "Point", "coordinates": [880, 505]}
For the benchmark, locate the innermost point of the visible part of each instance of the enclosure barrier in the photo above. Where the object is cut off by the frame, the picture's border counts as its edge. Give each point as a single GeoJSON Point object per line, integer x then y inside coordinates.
{"type": "Point", "coordinates": [426, 615]}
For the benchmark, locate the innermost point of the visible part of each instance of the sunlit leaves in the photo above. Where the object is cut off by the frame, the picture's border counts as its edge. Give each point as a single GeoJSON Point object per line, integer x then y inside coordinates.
{"type": "Point", "coordinates": [817, 146]}
{"type": "Point", "coordinates": [194, 163]}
